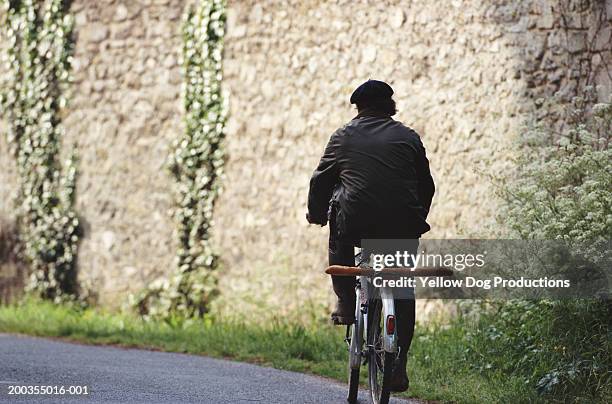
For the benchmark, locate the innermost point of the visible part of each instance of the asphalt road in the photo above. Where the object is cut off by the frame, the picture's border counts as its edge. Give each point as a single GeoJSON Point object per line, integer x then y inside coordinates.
{"type": "Point", "coordinates": [132, 375]}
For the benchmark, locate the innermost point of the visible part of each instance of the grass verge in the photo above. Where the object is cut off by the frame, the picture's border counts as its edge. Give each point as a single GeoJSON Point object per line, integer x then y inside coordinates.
{"type": "Point", "coordinates": [437, 366]}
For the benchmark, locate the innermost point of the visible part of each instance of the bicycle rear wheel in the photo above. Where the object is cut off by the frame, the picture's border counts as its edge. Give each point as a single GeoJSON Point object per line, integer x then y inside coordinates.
{"type": "Point", "coordinates": [353, 386]}
{"type": "Point", "coordinates": [355, 348]}
{"type": "Point", "coordinates": [380, 362]}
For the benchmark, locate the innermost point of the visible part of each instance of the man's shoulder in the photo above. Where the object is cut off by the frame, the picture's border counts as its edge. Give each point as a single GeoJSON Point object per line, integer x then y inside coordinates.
{"type": "Point", "coordinates": [353, 123]}
{"type": "Point", "coordinates": [358, 125]}
{"type": "Point", "coordinates": [344, 129]}
{"type": "Point", "coordinates": [407, 129]}
{"type": "Point", "coordinates": [400, 131]}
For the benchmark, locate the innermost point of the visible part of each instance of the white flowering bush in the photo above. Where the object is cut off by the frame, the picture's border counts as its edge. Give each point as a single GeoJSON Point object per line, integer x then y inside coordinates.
{"type": "Point", "coordinates": [561, 190]}
{"type": "Point", "coordinates": [196, 164]}
{"type": "Point", "coordinates": [32, 96]}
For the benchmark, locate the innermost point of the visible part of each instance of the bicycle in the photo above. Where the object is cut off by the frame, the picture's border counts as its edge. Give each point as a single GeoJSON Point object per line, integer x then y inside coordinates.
{"type": "Point", "coordinates": [374, 318]}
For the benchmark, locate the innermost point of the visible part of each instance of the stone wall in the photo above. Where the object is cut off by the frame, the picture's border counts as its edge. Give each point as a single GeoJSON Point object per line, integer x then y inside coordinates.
{"type": "Point", "coordinates": [125, 111]}
{"type": "Point", "coordinates": [465, 74]}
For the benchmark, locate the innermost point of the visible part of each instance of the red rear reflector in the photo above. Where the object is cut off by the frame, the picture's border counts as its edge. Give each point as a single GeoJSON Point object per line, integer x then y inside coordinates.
{"type": "Point", "coordinates": [390, 324]}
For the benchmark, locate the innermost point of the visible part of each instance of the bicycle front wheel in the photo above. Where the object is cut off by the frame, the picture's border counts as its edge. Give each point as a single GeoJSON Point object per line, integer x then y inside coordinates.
{"type": "Point", "coordinates": [380, 362]}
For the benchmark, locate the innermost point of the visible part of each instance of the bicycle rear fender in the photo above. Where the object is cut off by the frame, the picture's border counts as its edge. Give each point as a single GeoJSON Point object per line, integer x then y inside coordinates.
{"type": "Point", "coordinates": [388, 309]}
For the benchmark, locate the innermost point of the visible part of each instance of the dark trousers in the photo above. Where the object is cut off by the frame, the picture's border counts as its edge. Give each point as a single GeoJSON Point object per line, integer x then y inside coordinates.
{"type": "Point", "coordinates": [344, 287]}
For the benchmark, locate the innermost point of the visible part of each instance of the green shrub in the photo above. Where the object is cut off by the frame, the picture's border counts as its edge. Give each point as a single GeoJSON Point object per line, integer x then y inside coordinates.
{"type": "Point", "coordinates": [560, 348]}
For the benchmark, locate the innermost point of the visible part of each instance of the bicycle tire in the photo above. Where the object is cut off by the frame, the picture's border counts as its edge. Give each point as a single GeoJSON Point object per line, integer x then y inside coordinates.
{"type": "Point", "coordinates": [355, 349]}
{"type": "Point", "coordinates": [353, 386]}
{"type": "Point", "coordinates": [380, 363]}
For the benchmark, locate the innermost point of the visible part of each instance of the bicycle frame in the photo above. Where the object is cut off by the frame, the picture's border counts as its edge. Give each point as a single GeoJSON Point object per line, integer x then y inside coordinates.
{"type": "Point", "coordinates": [388, 314]}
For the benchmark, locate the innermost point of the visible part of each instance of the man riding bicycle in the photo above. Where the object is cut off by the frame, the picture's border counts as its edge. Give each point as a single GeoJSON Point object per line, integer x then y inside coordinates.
{"type": "Point", "coordinates": [373, 182]}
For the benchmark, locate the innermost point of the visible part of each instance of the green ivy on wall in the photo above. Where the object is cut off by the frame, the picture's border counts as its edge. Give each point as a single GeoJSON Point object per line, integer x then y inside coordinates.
{"type": "Point", "coordinates": [32, 96]}
{"type": "Point", "coordinates": [196, 164]}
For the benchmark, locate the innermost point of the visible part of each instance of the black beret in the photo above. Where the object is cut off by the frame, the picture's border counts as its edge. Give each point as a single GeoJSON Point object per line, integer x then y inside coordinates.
{"type": "Point", "coordinates": [371, 89]}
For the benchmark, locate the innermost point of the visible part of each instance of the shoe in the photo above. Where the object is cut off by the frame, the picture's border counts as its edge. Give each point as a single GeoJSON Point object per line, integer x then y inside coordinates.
{"type": "Point", "coordinates": [344, 313]}
{"type": "Point", "coordinates": [399, 377]}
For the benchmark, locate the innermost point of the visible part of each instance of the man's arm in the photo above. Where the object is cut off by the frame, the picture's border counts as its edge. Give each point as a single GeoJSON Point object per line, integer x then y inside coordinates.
{"type": "Point", "coordinates": [426, 187]}
{"type": "Point", "coordinates": [322, 184]}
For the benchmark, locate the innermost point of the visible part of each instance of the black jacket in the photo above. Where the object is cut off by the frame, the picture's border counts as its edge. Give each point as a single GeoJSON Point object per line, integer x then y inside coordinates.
{"type": "Point", "coordinates": [376, 175]}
